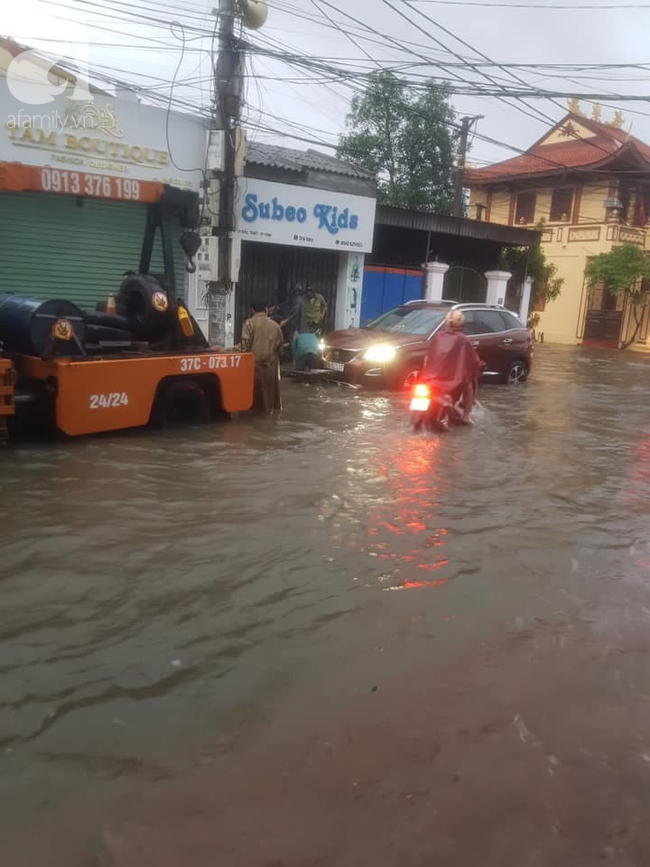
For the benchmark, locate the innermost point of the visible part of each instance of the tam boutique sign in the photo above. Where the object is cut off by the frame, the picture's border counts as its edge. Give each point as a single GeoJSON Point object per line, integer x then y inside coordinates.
{"type": "Point", "coordinates": [103, 135]}
{"type": "Point", "coordinates": [304, 217]}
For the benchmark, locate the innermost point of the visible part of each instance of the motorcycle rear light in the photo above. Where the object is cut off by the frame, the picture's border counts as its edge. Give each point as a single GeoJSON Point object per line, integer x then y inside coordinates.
{"type": "Point", "coordinates": [421, 390]}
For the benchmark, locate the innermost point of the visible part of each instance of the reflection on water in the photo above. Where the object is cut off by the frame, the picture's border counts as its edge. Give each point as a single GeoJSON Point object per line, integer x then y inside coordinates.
{"type": "Point", "coordinates": [403, 531]}
{"type": "Point", "coordinates": [166, 597]}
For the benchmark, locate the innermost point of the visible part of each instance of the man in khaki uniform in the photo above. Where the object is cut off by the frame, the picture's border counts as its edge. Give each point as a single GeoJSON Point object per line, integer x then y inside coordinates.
{"type": "Point", "coordinates": [315, 308]}
{"type": "Point", "coordinates": [263, 337]}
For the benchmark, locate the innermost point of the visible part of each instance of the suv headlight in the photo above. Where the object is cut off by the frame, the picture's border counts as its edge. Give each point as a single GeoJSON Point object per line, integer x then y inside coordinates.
{"type": "Point", "coordinates": [381, 353]}
{"type": "Point", "coordinates": [322, 345]}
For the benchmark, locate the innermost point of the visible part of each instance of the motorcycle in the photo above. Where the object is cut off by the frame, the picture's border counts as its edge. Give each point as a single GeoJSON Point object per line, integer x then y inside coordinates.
{"type": "Point", "coordinates": [433, 409]}
{"type": "Point", "coordinates": [438, 408]}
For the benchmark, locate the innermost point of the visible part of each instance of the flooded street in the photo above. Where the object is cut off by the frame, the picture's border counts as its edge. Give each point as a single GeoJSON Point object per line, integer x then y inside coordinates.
{"type": "Point", "coordinates": [328, 641]}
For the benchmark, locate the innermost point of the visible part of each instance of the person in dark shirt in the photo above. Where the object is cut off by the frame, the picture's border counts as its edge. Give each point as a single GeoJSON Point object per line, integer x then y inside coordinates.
{"type": "Point", "coordinates": [289, 313]}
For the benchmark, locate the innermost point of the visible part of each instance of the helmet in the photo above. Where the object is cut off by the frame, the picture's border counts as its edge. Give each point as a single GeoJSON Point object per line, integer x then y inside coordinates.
{"type": "Point", "coordinates": [455, 319]}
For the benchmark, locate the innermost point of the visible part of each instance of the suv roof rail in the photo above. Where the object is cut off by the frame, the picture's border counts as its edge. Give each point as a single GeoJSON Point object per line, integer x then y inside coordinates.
{"type": "Point", "coordinates": [445, 303]}
{"type": "Point", "coordinates": [462, 304]}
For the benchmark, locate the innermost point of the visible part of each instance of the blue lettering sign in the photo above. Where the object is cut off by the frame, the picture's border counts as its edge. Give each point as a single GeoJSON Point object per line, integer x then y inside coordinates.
{"type": "Point", "coordinates": [249, 211]}
{"type": "Point", "coordinates": [329, 217]}
{"type": "Point", "coordinates": [326, 216]}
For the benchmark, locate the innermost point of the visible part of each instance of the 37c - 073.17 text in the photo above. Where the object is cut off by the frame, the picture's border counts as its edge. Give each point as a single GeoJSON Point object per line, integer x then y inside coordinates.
{"type": "Point", "coordinates": [210, 362]}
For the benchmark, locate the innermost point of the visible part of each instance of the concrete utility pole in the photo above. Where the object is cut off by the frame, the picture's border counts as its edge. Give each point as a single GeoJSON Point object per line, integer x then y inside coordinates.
{"type": "Point", "coordinates": [226, 150]}
{"type": "Point", "coordinates": [465, 126]}
{"type": "Point", "coordinates": [226, 116]}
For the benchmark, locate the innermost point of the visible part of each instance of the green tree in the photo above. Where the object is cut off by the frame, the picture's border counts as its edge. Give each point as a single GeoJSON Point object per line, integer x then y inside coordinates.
{"type": "Point", "coordinates": [406, 139]}
{"type": "Point", "coordinates": [623, 269]}
{"type": "Point", "coordinates": [531, 262]}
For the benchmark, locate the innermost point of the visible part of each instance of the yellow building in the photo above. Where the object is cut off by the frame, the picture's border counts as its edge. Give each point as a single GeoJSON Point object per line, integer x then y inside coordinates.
{"type": "Point", "coordinates": [590, 184]}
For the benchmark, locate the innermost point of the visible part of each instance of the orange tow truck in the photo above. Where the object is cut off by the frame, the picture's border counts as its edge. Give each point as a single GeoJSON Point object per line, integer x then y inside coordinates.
{"type": "Point", "coordinates": [145, 361]}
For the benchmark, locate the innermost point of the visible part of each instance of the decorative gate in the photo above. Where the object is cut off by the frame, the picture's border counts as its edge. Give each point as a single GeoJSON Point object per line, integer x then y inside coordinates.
{"type": "Point", "coordinates": [464, 284]}
{"type": "Point", "coordinates": [604, 315]}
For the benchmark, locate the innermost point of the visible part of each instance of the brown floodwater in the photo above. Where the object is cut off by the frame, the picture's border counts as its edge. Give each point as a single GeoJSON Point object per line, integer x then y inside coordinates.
{"type": "Point", "coordinates": [324, 640]}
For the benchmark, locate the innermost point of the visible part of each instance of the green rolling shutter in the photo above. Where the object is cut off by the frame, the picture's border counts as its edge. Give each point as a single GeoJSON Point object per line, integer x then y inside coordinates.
{"type": "Point", "coordinates": [50, 247]}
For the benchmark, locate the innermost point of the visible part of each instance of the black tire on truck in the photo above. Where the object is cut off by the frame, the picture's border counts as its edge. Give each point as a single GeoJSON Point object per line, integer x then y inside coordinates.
{"type": "Point", "coordinates": [182, 402]}
{"type": "Point", "coordinates": [143, 301]}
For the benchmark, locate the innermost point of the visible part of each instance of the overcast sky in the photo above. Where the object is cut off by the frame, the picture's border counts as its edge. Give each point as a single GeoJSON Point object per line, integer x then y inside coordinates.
{"type": "Point", "coordinates": [125, 42]}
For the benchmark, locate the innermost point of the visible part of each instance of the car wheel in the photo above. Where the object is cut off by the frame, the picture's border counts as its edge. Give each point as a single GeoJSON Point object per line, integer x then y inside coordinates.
{"type": "Point", "coordinates": [517, 372]}
{"type": "Point", "coordinates": [408, 379]}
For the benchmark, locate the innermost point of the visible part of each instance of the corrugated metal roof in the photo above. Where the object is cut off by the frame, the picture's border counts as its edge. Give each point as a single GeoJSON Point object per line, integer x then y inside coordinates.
{"type": "Point", "coordinates": [463, 228]}
{"type": "Point", "coordinates": [293, 160]}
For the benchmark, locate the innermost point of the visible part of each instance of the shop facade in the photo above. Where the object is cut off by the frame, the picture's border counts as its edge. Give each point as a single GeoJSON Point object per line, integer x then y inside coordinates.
{"type": "Point", "coordinates": [76, 180]}
{"type": "Point", "coordinates": [302, 218]}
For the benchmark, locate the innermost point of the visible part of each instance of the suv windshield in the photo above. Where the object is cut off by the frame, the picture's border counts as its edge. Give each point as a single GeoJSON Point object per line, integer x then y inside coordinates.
{"type": "Point", "coordinates": [410, 320]}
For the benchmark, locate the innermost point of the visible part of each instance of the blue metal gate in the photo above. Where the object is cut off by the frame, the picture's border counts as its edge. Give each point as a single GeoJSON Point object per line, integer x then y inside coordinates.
{"type": "Point", "coordinates": [384, 288]}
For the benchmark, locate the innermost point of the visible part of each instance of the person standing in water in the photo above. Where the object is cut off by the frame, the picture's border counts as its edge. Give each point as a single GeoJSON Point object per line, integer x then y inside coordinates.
{"type": "Point", "coordinates": [263, 337]}
{"type": "Point", "coordinates": [315, 309]}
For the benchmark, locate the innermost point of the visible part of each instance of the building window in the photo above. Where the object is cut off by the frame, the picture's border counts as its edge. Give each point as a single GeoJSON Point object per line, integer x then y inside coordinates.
{"type": "Point", "coordinates": [561, 205]}
{"type": "Point", "coordinates": [525, 212]}
{"type": "Point", "coordinates": [642, 208]}
{"type": "Point", "coordinates": [624, 195]}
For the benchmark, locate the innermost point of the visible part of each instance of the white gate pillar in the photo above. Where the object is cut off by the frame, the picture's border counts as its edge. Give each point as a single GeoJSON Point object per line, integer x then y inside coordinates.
{"type": "Point", "coordinates": [496, 288]}
{"type": "Point", "coordinates": [435, 280]}
{"type": "Point", "coordinates": [525, 299]}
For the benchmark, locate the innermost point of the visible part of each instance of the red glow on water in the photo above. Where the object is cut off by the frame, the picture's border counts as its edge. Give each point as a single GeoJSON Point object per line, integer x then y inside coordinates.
{"type": "Point", "coordinates": [393, 528]}
{"type": "Point", "coordinates": [416, 585]}
{"type": "Point", "coordinates": [432, 567]}
{"type": "Point", "coordinates": [403, 529]}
